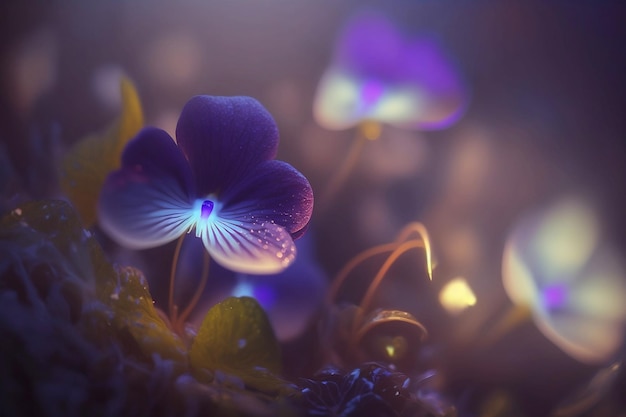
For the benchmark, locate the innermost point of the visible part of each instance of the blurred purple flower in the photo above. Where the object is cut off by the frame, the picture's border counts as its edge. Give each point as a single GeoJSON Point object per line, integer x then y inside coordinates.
{"type": "Point", "coordinates": [290, 298]}
{"type": "Point", "coordinates": [220, 179]}
{"type": "Point", "coordinates": [559, 267]}
{"type": "Point", "coordinates": [378, 74]}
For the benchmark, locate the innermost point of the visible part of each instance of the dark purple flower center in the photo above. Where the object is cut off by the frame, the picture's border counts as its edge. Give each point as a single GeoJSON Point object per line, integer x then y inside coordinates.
{"type": "Point", "coordinates": [207, 208]}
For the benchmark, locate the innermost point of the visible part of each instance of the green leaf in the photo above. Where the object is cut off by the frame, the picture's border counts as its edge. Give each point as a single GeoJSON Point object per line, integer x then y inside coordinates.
{"type": "Point", "coordinates": [51, 232]}
{"type": "Point", "coordinates": [87, 164]}
{"type": "Point", "coordinates": [32, 224]}
{"type": "Point", "coordinates": [236, 337]}
{"type": "Point", "coordinates": [133, 311]}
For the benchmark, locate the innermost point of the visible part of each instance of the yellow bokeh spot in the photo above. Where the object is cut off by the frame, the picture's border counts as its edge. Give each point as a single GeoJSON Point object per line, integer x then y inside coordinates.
{"type": "Point", "coordinates": [370, 129]}
{"type": "Point", "coordinates": [390, 349]}
{"type": "Point", "coordinates": [395, 347]}
{"type": "Point", "coordinates": [456, 296]}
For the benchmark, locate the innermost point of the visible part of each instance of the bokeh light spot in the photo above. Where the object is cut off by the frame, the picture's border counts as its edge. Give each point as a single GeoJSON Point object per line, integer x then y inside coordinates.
{"type": "Point", "coordinates": [457, 295]}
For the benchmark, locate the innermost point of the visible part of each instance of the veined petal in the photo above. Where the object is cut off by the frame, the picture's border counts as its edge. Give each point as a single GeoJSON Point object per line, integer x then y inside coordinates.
{"type": "Point", "coordinates": [139, 211]}
{"type": "Point", "coordinates": [224, 138]}
{"type": "Point", "coordinates": [248, 245]}
{"type": "Point", "coordinates": [147, 203]}
{"type": "Point", "coordinates": [276, 192]}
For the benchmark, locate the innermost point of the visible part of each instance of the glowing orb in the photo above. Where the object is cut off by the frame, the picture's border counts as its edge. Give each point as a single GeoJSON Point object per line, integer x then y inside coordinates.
{"type": "Point", "coordinates": [456, 296]}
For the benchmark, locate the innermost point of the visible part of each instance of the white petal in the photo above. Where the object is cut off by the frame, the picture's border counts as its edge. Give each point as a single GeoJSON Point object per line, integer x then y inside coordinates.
{"type": "Point", "coordinates": [246, 245]}
{"type": "Point", "coordinates": [141, 213]}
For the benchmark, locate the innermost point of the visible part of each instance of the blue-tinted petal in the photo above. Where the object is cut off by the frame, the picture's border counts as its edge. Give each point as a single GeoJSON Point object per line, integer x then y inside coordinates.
{"type": "Point", "coordinates": [154, 153]}
{"type": "Point", "coordinates": [224, 138]}
{"type": "Point", "coordinates": [275, 192]}
{"type": "Point", "coordinates": [147, 202]}
{"type": "Point", "coordinates": [290, 297]}
{"type": "Point", "coordinates": [245, 244]}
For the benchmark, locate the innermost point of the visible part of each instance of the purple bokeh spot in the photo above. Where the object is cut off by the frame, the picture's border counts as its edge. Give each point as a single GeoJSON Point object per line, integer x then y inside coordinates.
{"type": "Point", "coordinates": [372, 91]}
{"type": "Point", "coordinates": [207, 208]}
{"type": "Point", "coordinates": [554, 296]}
{"type": "Point", "coordinates": [265, 295]}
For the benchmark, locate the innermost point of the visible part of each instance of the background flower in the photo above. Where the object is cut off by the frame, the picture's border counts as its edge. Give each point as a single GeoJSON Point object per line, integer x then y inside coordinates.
{"type": "Point", "coordinates": [219, 179]}
{"type": "Point", "coordinates": [291, 297]}
{"type": "Point", "coordinates": [379, 74]}
{"type": "Point", "coordinates": [556, 264]}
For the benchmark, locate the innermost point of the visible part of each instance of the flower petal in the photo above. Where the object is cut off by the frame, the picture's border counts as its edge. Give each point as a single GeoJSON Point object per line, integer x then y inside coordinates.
{"type": "Point", "coordinates": [149, 201]}
{"type": "Point", "coordinates": [276, 192]}
{"type": "Point", "coordinates": [224, 138]}
{"type": "Point", "coordinates": [290, 297]}
{"type": "Point", "coordinates": [248, 245]}
{"type": "Point", "coordinates": [154, 153]}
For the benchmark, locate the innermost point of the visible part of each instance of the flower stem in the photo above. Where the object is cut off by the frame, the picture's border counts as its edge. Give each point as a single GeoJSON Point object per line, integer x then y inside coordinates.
{"type": "Point", "coordinates": [196, 296]}
{"type": "Point", "coordinates": [368, 130]}
{"type": "Point", "coordinates": [173, 308]}
{"type": "Point", "coordinates": [515, 316]}
{"type": "Point", "coordinates": [176, 320]}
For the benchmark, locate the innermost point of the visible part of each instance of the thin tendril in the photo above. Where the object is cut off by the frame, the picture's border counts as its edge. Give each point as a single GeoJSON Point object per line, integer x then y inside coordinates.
{"type": "Point", "coordinates": [196, 296]}
{"type": "Point", "coordinates": [353, 263]}
{"type": "Point", "coordinates": [173, 309]}
{"type": "Point", "coordinates": [420, 229]}
{"type": "Point", "coordinates": [382, 272]}
{"type": "Point", "coordinates": [414, 227]}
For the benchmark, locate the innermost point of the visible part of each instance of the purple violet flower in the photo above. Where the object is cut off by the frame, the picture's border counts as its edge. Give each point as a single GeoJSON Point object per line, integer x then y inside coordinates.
{"type": "Point", "coordinates": [291, 298]}
{"type": "Point", "coordinates": [219, 179]}
{"type": "Point", "coordinates": [379, 74]}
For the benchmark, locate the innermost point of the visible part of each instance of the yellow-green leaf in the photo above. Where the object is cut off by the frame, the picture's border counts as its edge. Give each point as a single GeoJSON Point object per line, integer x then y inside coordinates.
{"type": "Point", "coordinates": [237, 338]}
{"type": "Point", "coordinates": [133, 310]}
{"type": "Point", "coordinates": [86, 165]}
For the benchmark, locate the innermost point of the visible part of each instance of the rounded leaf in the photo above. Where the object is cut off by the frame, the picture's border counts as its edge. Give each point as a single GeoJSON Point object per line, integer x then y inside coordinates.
{"type": "Point", "coordinates": [236, 337]}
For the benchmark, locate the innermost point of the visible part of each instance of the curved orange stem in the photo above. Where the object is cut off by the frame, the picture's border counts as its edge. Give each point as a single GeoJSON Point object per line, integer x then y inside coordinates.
{"type": "Point", "coordinates": [382, 272]}
{"type": "Point", "coordinates": [353, 263]}
{"type": "Point", "coordinates": [420, 230]}
{"type": "Point", "coordinates": [403, 235]}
